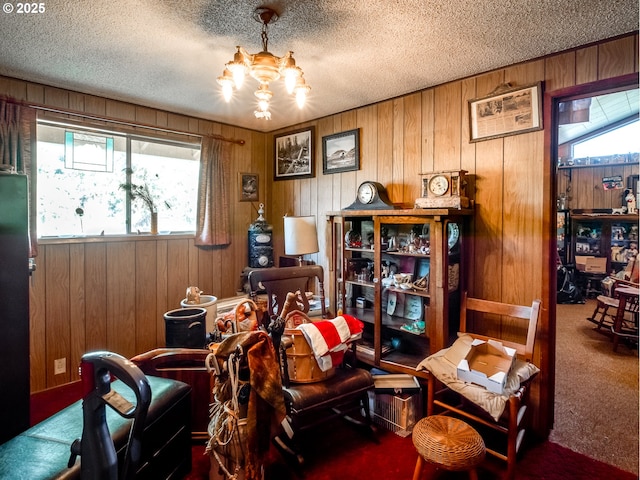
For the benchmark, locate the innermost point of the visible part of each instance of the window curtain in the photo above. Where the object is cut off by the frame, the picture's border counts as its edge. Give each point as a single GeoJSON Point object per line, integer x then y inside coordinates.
{"type": "Point", "coordinates": [17, 148]}
{"type": "Point", "coordinates": [213, 202]}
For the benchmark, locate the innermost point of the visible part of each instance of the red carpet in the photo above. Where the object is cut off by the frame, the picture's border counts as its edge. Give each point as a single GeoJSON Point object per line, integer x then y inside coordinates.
{"type": "Point", "coordinates": [337, 451]}
{"type": "Point", "coordinates": [347, 453]}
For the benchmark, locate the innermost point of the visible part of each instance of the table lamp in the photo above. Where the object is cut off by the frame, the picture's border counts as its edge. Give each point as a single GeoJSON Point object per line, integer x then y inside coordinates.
{"type": "Point", "coordinates": [300, 236]}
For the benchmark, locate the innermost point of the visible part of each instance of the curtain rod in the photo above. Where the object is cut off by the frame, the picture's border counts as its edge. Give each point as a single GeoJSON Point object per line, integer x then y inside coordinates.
{"type": "Point", "coordinates": [129, 124]}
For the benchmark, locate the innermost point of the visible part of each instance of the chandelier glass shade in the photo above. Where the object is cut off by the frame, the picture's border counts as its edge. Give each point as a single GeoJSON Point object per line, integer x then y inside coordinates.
{"type": "Point", "coordinates": [265, 68]}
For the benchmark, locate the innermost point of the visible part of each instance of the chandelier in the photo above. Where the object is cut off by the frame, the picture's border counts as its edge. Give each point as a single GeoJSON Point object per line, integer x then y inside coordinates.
{"type": "Point", "coordinates": [265, 68]}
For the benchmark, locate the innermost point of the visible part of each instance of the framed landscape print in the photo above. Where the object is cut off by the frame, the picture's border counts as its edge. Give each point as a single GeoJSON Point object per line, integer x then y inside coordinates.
{"type": "Point", "coordinates": [293, 156]}
{"type": "Point", "coordinates": [507, 111]}
{"type": "Point", "coordinates": [341, 152]}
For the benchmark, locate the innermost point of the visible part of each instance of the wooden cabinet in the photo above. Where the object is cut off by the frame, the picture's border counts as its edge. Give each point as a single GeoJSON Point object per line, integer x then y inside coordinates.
{"type": "Point", "coordinates": [400, 272]}
{"type": "Point", "coordinates": [614, 237]}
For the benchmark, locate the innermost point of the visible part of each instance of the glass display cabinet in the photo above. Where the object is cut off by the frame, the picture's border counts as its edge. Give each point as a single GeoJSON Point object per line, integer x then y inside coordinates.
{"type": "Point", "coordinates": [400, 272]}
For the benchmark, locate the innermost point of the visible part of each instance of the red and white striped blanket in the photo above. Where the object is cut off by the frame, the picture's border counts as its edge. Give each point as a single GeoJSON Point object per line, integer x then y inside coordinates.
{"type": "Point", "coordinates": [329, 339]}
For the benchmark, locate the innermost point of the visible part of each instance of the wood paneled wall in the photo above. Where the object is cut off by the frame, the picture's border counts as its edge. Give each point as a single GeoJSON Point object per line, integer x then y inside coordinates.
{"type": "Point", "coordinates": [511, 180]}
{"type": "Point", "coordinates": [112, 294]}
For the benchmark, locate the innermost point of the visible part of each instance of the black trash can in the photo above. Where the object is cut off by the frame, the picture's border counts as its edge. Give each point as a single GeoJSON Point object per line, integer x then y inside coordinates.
{"type": "Point", "coordinates": [185, 327]}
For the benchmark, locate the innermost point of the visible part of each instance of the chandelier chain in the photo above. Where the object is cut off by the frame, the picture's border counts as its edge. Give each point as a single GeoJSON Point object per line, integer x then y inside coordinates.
{"type": "Point", "coordinates": [265, 38]}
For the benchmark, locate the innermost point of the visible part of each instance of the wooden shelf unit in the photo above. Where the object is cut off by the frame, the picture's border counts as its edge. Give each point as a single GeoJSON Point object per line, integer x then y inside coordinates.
{"type": "Point", "coordinates": [604, 235]}
{"type": "Point", "coordinates": [410, 241]}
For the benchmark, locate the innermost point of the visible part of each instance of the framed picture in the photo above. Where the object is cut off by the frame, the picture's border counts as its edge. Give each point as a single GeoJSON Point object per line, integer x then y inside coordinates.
{"type": "Point", "coordinates": [249, 183]}
{"type": "Point", "coordinates": [341, 152]}
{"type": "Point", "coordinates": [294, 154]}
{"type": "Point", "coordinates": [612, 183]}
{"type": "Point", "coordinates": [509, 112]}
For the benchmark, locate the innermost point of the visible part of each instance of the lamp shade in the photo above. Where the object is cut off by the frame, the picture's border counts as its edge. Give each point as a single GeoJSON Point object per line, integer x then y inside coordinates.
{"type": "Point", "coordinates": [300, 235]}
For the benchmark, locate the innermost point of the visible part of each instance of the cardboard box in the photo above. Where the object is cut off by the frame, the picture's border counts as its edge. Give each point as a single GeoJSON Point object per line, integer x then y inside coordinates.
{"type": "Point", "coordinates": [487, 364]}
{"type": "Point", "coordinates": [591, 264]}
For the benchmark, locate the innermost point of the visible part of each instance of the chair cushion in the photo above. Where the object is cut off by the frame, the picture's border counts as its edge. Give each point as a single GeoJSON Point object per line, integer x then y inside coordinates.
{"type": "Point", "coordinates": [346, 383]}
{"type": "Point", "coordinates": [443, 365]}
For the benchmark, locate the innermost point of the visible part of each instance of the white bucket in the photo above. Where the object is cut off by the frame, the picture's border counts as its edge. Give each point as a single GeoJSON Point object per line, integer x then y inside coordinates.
{"type": "Point", "coordinates": [210, 304]}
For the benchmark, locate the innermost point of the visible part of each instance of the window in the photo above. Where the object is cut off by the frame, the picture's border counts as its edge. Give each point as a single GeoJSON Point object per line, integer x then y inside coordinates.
{"type": "Point", "coordinates": [593, 124]}
{"type": "Point", "coordinates": [80, 176]}
{"type": "Point", "coordinates": [620, 140]}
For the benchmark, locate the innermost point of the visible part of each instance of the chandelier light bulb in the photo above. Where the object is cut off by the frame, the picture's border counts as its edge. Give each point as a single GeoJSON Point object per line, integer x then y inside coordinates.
{"type": "Point", "coordinates": [301, 92]}
{"type": "Point", "coordinates": [226, 82]}
{"type": "Point", "coordinates": [227, 92]}
{"type": "Point", "coordinates": [237, 68]}
{"type": "Point", "coordinates": [263, 94]}
{"type": "Point", "coordinates": [291, 72]}
{"type": "Point", "coordinates": [263, 105]}
{"type": "Point", "coordinates": [238, 78]}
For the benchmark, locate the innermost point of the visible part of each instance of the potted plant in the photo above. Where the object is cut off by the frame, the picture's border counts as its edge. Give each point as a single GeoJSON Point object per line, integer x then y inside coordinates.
{"type": "Point", "coordinates": [142, 192]}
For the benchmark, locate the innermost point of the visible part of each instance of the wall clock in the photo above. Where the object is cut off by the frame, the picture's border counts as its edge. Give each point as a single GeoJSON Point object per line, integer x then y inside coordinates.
{"type": "Point", "coordinates": [370, 196]}
{"type": "Point", "coordinates": [445, 189]}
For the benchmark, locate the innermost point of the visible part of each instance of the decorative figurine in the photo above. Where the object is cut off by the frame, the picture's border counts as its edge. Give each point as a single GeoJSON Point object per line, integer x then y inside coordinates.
{"type": "Point", "coordinates": [193, 295]}
{"type": "Point", "coordinates": [631, 203]}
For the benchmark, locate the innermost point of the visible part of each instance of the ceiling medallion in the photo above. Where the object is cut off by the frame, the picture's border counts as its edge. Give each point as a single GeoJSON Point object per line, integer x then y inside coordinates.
{"type": "Point", "coordinates": [265, 68]}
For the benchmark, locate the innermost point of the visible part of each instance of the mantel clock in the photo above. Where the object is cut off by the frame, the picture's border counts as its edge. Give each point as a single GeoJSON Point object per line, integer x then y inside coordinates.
{"type": "Point", "coordinates": [371, 196]}
{"type": "Point", "coordinates": [444, 189]}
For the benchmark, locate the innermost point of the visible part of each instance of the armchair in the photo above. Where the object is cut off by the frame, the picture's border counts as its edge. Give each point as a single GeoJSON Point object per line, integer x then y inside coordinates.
{"type": "Point", "coordinates": [342, 394]}
{"type": "Point", "coordinates": [488, 411]}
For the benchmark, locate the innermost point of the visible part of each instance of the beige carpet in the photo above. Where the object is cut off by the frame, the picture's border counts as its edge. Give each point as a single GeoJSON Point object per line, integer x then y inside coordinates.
{"type": "Point", "coordinates": [596, 403]}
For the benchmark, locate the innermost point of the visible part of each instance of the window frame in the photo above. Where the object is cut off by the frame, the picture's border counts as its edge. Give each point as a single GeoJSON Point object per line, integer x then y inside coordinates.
{"type": "Point", "coordinates": [130, 135]}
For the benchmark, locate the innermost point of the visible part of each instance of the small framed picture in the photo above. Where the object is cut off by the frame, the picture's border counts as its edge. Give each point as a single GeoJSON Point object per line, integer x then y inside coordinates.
{"type": "Point", "coordinates": [294, 154]}
{"type": "Point", "coordinates": [341, 152]}
{"type": "Point", "coordinates": [249, 187]}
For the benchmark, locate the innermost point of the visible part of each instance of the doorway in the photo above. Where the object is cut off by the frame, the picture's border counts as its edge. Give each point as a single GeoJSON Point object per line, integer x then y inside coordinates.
{"type": "Point", "coordinates": [570, 114]}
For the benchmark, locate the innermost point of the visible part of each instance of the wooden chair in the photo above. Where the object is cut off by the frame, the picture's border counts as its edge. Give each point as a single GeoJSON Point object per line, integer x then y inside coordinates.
{"type": "Point", "coordinates": [510, 423]}
{"type": "Point", "coordinates": [310, 404]}
{"type": "Point", "coordinates": [277, 282]}
{"type": "Point", "coordinates": [625, 322]}
{"type": "Point", "coordinates": [186, 365]}
{"type": "Point", "coordinates": [604, 315]}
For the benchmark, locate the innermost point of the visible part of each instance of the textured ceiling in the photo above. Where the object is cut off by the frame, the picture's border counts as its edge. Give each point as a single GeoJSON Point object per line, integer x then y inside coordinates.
{"type": "Point", "coordinates": [167, 54]}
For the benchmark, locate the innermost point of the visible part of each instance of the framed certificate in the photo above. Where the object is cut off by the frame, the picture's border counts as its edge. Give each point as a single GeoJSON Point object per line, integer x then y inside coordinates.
{"type": "Point", "coordinates": [413, 307]}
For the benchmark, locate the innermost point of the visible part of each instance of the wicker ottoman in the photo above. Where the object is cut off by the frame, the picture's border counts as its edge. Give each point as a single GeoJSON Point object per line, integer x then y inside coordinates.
{"type": "Point", "coordinates": [447, 443]}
